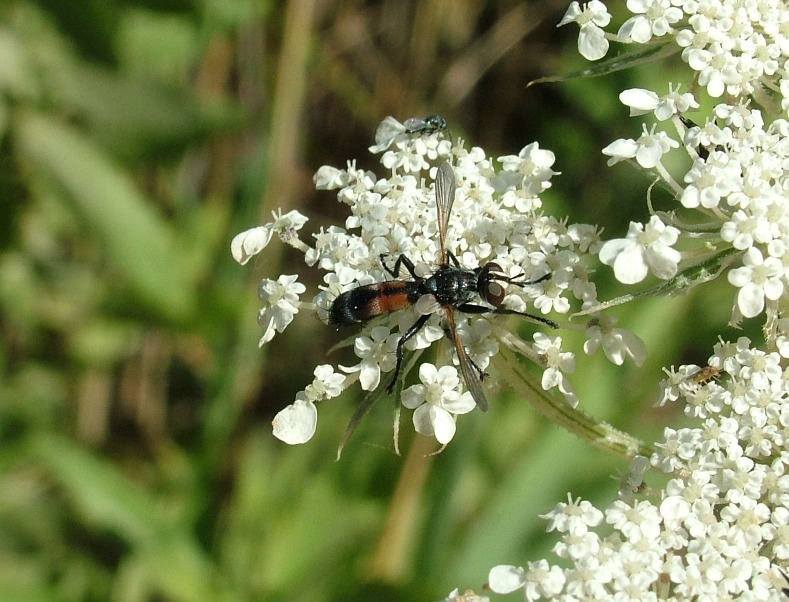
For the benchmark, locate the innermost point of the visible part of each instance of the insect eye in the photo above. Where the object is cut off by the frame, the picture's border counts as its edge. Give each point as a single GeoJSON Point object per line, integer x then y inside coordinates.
{"type": "Point", "coordinates": [494, 293]}
{"type": "Point", "coordinates": [487, 285]}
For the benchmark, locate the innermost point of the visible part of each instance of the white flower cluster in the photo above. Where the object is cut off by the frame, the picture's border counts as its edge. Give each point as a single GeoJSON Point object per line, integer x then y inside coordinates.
{"type": "Point", "coordinates": [719, 528]}
{"type": "Point", "coordinates": [738, 48]}
{"type": "Point", "coordinates": [496, 217]}
{"type": "Point", "coordinates": [738, 179]}
{"type": "Point", "coordinates": [715, 525]}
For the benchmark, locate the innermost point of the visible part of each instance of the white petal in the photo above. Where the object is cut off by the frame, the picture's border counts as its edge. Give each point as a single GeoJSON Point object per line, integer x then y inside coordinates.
{"type": "Point", "coordinates": [621, 149]}
{"type": "Point", "coordinates": [591, 42]}
{"type": "Point", "coordinates": [601, 15]}
{"type": "Point", "coordinates": [630, 267]}
{"type": "Point", "coordinates": [674, 508]}
{"type": "Point", "coordinates": [369, 376]}
{"type": "Point", "coordinates": [773, 289]}
{"type": "Point", "coordinates": [266, 321]}
{"type": "Point", "coordinates": [663, 261]}
{"type": "Point", "coordinates": [648, 155]}
{"type": "Point", "coordinates": [422, 422]}
{"type": "Point", "coordinates": [690, 197]}
{"type": "Point", "coordinates": [638, 6]}
{"type": "Point", "coordinates": [413, 396]}
{"type": "Point", "coordinates": [428, 373]}
{"type": "Point", "coordinates": [572, 13]}
{"type": "Point", "coordinates": [505, 579]}
{"type": "Point", "coordinates": [740, 276]}
{"type": "Point", "coordinates": [750, 300]}
{"type": "Point", "coordinates": [296, 423]}
{"type": "Point", "coordinates": [623, 35]}
{"type": "Point", "coordinates": [246, 245]}
{"type": "Point", "coordinates": [329, 178]}
{"type": "Point", "coordinates": [641, 31]}
{"type": "Point", "coordinates": [612, 248]}
{"type": "Point", "coordinates": [636, 348]}
{"type": "Point", "coordinates": [715, 87]}
{"type": "Point", "coordinates": [443, 424]}
{"type": "Point", "coordinates": [639, 100]}
{"type": "Point", "coordinates": [753, 257]}
{"type": "Point", "coordinates": [550, 378]}
{"type": "Point", "coordinates": [462, 405]}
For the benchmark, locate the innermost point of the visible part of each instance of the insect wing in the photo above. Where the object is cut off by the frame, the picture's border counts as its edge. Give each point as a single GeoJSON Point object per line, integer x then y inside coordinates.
{"type": "Point", "coordinates": [445, 197]}
{"type": "Point", "coordinates": [469, 372]}
{"type": "Point", "coordinates": [414, 125]}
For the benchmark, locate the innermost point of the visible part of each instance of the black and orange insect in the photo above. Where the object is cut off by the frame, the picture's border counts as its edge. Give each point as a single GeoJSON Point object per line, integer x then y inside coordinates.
{"type": "Point", "coordinates": [454, 287]}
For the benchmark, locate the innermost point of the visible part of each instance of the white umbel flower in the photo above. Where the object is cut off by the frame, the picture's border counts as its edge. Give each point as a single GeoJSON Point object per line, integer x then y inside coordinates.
{"type": "Point", "coordinates": [592, 17]}
{"type": "Point", "coordinates": [758, 279]}
{"type": "Point", "coordinates": [646, 249]}
{"type": "Point", "coordinates": [436, 401]}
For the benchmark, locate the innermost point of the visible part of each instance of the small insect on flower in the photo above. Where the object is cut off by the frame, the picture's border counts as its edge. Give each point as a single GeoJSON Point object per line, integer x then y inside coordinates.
{"type": "Point", "coordinates": [427, 125]}
{"type": "Point", "coordinates": [452, 286]}
{"type": "Point", "coordinates": [702, 150]}
{"type": "Point", "coordinates": [391, 130]}
{"type": "Point", "coordinates": [706, 374]}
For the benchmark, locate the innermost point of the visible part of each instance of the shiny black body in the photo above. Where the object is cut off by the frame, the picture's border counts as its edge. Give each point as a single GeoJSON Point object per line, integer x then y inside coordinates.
{"type": "Point", "coordinates": [453, 286]}
{"type": "Point", "coordinates": [429, 125]}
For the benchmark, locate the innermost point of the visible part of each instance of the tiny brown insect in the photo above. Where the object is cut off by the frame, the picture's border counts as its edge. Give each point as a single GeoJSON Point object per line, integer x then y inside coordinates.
{"type": "Point", "coordinates": [706, 374]}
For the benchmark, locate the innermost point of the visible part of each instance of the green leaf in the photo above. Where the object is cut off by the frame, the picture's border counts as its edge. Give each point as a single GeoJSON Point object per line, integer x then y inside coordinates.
{"type": "Point", "coordinates": [163, 549]}
{"type": "Point", "coordinates": [641, 55]}
{"type": "Point", "coordinates": [139, 117]}
{"type": "Point", "coordinates": [136, 239]}
{"type": "Point", "coordinates": [100, 492]}
{"type": "Point", "coordinates": [362, 409]}
{"type": "Point", "coordinates": [91, 28]}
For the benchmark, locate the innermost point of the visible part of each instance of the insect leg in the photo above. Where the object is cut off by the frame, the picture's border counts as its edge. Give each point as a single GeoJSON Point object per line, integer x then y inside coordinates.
{"type": "Point", "coordinates": [401, 261]}
{"type": "Point", "coordinates": [453, 259]}
{"type": "Point", "coordinates": [470, 308]}
{"type": "Point", "coordinates": [416, 327]}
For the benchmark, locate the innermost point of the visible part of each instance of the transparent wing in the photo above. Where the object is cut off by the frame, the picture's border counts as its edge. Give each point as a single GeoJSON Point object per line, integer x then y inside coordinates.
{"type": "Point", "coordinates": [469, 372]}
{"type": "Point", "coordinates": [414, 125]}
{"type": "Point", "coordinates": [445, 197]}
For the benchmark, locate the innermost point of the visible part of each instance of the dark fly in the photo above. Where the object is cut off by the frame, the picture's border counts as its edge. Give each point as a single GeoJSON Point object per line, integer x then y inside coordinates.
{"type": "Point", "coordinates": [703, 151]}
{"type": "Point", "coordinates": [427, 125]}
{"type": "Point", "coordinates": [454, 287]}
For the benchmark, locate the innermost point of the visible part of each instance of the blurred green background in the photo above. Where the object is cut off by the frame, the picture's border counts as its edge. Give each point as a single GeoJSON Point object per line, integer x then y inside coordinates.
{"type": "Point", "coordinates": [137, 137]}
